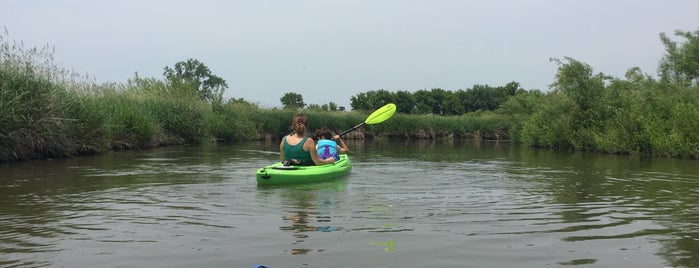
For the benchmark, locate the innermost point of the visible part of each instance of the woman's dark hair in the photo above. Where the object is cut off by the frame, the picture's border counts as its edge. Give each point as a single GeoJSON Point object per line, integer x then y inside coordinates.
{"type": "Point", "coordinates": [300, 123]}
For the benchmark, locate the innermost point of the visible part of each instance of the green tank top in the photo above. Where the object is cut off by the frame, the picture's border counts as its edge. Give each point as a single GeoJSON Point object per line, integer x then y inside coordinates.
{"type": "Point", "coordinates": [297, 152]}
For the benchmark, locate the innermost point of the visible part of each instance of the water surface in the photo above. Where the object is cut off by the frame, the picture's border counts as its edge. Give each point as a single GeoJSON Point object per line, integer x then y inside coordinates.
{"type": "Point", "coordinates": [405, 204]}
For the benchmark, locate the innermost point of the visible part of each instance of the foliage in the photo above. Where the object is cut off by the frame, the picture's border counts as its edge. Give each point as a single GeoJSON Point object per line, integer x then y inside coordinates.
{"type": "Point", "coordinates": [293, 101]}
{"type": "Point", "coordinates": [194, 75]}
{"type": "Point", "coordinates": [332, 106]}
{"type": "Point", "coordinates": [680, 65]}
{"type": "Point", "coordinates": [550, 126]}
{"type": "Point", "coordinates": [523, 103]}
{"type": "Point", "coordinates": [517, 109]}
{"type": "Point", "coordinates": [31, 117]}
{"type": "Point", "coordinates": [430, 102]}
{"type": "Point", "coordinates": [276, 122]}
{"type": "Point", "coordinates": [405, 102]}
{"type": "Point", "coordinates": [482, 125]}
{"type": "Point", "coordinates": [235, 122]}
{"type": "Point", "coordinates": [636, 115]}
{"type": "Point", "coordinates": [438, 101]}
{"type": "Point", "coordinates": [47, 111]}
{"type": "Point", "coordinates": [370, 100]}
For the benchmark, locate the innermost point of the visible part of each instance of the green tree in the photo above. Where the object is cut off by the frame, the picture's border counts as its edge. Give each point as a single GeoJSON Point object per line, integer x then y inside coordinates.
{"type": "Point", "coordinates": [367, 101]}
{"type": "Point", "coordinates": [524, 103]}
{"type": "Point", "coordinates": [379, 98]}
{"type": "Point", "coordinates": [421, 103]}
{"type": "Point", "coordinates": [292, 100]}
{"type": "Point", "coordinates": [587, 91]}
{"type": "Point", "coordinates": [431, 101]}
{"type": "Point", "coordinates": [195, 75]}
{"type": "Point", "coordinates": [405, 102]}
{"type": "Point", "coordinates": [680, 65]}
{"type": "Point", "coordinates": [454, 104]}
{"type": "Point", "coordinates": [551, 126]}
{"type": "Point", "coordinates": [360, 102]}
{"type": "Point", "coordinates": [315, 107]}
{"type": "Point", "coordinates": [511, 89]}
{"type": "Point", "coordinates": [332, 106]}
{"type": "Point", "coordinates": [482, 97]}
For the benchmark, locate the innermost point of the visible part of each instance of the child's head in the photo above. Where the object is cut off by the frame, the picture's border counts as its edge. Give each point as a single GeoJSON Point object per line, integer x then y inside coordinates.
{"type": "Point", "coordinates": [324, 133]}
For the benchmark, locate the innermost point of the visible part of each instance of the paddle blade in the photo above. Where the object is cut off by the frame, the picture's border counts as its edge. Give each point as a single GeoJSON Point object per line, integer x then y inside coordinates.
{"type": "Point", "coordinates": [381, 114]}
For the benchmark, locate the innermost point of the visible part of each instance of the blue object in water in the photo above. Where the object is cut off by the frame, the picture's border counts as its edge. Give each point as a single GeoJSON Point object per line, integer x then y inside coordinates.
{"type": "Point", "coordinates": [260, 266]}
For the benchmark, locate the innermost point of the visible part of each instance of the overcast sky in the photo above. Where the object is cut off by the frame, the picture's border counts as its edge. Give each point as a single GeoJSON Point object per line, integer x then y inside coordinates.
{"type": "Point", "coordinates": [330, 50]}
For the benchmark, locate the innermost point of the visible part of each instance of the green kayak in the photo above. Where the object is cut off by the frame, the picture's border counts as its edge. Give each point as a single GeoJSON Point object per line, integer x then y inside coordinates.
{"type": "Point", "coordinates": [279, 174]}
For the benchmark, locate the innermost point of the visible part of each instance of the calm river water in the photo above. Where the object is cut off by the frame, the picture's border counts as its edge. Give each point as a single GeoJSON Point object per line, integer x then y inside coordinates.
{"type": "Point", "coordinates": [405, 204]}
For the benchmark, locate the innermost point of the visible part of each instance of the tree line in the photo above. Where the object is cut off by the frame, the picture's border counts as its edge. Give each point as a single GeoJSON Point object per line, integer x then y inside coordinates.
{"type": "Point", "coordinates": [438, 101]}
{"type": "Point", "coordinates": [294, 101]}
{"type": "Point", "coordinates": [435, 101]}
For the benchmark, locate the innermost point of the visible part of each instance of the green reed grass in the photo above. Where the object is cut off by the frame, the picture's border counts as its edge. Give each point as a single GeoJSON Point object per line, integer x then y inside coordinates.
{"type": "Point", "coordinates": [47, 111]}
{"type": "Point", "coordinates": [236, 121]}
{"type": "Point", "coordinates": [485, 125]}
{"type": "Point", "coordinates": [31, 117]}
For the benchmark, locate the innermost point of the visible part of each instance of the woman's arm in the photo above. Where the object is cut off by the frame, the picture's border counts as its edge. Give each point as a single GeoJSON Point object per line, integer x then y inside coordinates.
{"type": "Point", "coordinates": [341, 146]}
{"type": "Point", "coordinates": [281, 150]}
{"type": "Point", "coordinates": [310, 146]}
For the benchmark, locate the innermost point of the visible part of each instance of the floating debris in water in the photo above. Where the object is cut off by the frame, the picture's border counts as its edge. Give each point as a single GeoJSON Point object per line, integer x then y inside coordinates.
{"type": "Point", "coordinates": [390, 245]}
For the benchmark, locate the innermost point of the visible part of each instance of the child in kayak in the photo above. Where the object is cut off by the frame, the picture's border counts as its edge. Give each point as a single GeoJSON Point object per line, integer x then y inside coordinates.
{"type": "Point", "coordinates": [329, 146]}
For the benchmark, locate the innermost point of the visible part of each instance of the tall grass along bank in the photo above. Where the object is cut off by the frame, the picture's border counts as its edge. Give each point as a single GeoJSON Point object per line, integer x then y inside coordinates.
{"type": "Point", "coordinates": [47, 111]}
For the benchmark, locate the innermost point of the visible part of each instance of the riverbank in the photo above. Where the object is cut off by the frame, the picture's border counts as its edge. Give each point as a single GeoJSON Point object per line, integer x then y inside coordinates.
{"type": "Point", "coordinates": [47, 111]}
{"type": "Point", "coordinates": [45, 119]}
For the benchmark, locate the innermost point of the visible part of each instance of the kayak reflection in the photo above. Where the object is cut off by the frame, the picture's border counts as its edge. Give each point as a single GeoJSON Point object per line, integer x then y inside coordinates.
{"type": "Point", "coordinates": [310, 210]}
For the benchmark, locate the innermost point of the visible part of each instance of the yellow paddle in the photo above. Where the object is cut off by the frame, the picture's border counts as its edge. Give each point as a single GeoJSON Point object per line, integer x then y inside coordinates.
{"type": "Point", "coordinates": [378, 116]}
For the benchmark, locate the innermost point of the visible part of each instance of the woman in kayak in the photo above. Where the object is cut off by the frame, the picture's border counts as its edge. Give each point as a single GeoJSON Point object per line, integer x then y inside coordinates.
{"type": "Point", "coordinates": [330, 145]}
{"type": "Point", "coordinates": [299, 149]}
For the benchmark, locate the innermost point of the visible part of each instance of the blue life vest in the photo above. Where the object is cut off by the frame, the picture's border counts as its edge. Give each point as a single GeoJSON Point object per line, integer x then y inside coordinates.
{"type": "Point", "coordinates": [327, 149]}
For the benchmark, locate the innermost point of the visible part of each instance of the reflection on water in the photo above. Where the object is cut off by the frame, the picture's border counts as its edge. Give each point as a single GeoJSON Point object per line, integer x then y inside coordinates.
{"type": "Point", "coordinates": [308, 209]}
{"type": "Point", "coordinates": [299, 225]}
{"type": "Point", "coordinates": [389, 246]}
